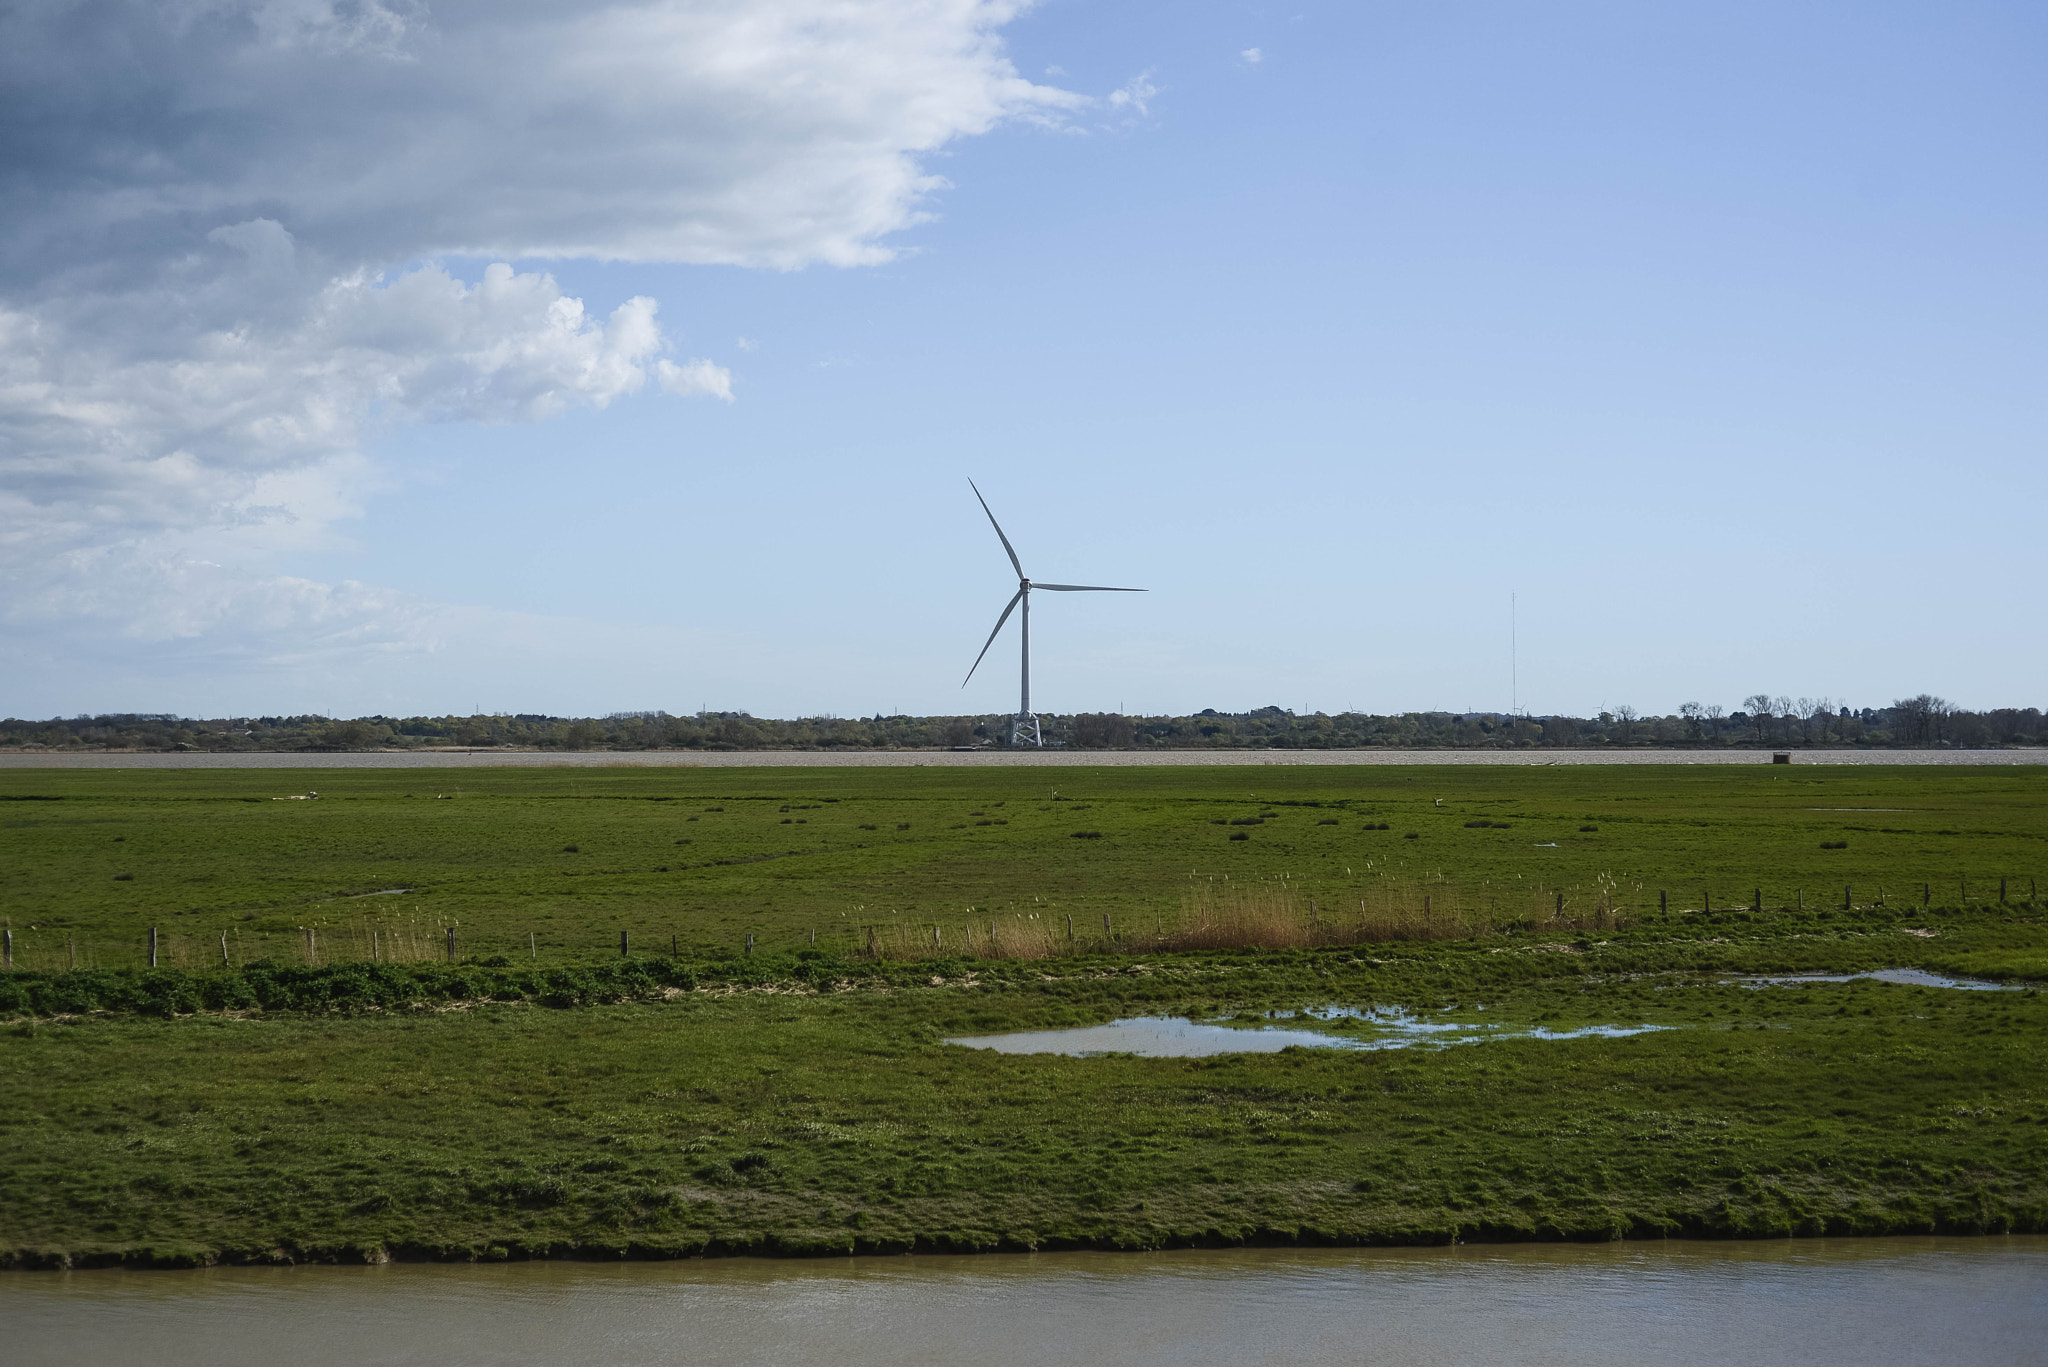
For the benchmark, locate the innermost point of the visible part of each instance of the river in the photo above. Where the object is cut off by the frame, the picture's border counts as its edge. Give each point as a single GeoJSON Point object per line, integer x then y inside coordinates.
{"type": "Point", "coordinates": [975, 759]}
{"type": "Point", "coordinates": [1860, 1302]}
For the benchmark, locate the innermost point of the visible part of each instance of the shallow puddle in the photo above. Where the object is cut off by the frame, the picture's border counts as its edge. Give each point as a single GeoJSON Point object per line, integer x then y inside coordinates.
{"type": "Point", "coordinates": [1353, 1028]}
{"type": "Point", "coordinates": [1905, 977]}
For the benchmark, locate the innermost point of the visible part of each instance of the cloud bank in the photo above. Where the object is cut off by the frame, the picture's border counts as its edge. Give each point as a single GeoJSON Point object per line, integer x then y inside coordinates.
{"type": "Point", "coordinates": [225, 223]}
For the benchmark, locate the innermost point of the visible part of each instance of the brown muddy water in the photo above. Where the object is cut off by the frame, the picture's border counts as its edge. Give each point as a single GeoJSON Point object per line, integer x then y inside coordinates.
{"type": "Point", "coordinates": [1855, 1302]}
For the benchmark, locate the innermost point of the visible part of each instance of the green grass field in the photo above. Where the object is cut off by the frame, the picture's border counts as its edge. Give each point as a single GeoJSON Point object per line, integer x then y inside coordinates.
{"type": "Point", "coordinates": [805, 1100]}
{"type": "Point", "coordinates": [705, 856]}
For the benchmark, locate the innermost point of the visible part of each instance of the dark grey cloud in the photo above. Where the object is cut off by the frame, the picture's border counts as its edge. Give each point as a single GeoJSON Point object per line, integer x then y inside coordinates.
{"type": "Point", "coordinates": [222, 220]}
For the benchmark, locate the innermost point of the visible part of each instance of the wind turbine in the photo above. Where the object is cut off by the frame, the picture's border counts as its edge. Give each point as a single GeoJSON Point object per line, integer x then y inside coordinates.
{"type": "Point", "coordinates": [1024, 726]}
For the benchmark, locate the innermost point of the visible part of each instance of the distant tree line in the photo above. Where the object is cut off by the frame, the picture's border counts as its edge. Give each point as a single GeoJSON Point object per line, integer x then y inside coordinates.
{"type": "Point", "coordinates": [1762, 721]}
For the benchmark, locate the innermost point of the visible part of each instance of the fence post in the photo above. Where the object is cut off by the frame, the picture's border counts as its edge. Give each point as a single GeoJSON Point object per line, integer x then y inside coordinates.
{"type": "Point", "coordinates": [871, 942]}
{"type": "Point", "coordinates": [1848, 902]}
{"type": "Point", "coordinates": [1560, 905]}
{"type": "Point", "coordinates": [1663, 901]}
{"type": "Point", "coordinates": [451, 944]}
{"type": "Point", "coordinates": [152, 946]}
{"type": "Point", "coordinates": [532, 945]}
{"type": "Point", "coordinates": [622, 944]}
{"type": "Point", "coordinates": [1070, 927]}
{"type": "Point", "coordinates": [1707, 902]}
{"type": "Point", "coordinates": [1926, 894]}
{"type": "Point", "coordinates": [937, 946]}
{"type": "Point", "coordinates": [7, 948]}
{"type": "Point", "coordinates": [750, 941]}
{"type": "Point", "coordinates": [814, 937]}
{"type": "Point", "coordinates": [2001, 889]}
{"type": "Point", "coordinates": [1107, 933]}
{"type": "Point", "coordinates": [224, 962]}
{"type": "Point", "coordinates": [1800, 899]}
{"type": "Point", "coordinates": [1757, 900]}
{"type": "Point", "coordinates": [71, 948]}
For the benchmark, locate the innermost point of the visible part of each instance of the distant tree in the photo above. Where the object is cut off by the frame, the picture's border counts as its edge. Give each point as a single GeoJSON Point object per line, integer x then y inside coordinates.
{"type": "Point", "coordinates": [1693, 714]}
{"type": "Point", "coordinates": [1758, 706]}
{"type": "Point", "coordinates": [1102, 731]}
{"type": "Point", "coordinates": [1921, 720]}
{"type": "Point", "coordinates": [1626, 717]}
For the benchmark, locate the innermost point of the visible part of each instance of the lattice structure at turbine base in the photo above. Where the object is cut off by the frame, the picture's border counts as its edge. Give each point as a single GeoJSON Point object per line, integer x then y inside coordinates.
{"type": "Point", "coordinates": [1024, 730]}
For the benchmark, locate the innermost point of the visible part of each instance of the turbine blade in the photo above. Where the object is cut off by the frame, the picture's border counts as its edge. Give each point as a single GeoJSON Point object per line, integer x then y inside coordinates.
{"type": "Point", "coordinates": [1084, 588]}
{"type": "Point", "coordinates": [999, 532]}
{"type": "Point", "coordinates": [993, 634]}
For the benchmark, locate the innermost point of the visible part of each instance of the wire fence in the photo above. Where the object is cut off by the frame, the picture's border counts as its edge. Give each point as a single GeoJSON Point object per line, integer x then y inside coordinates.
{"type": "Point", "coordinates": [1216, 913]}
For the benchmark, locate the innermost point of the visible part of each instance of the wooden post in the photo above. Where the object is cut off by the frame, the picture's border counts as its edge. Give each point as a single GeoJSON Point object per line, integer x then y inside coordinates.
{"type": "Point", "coordinates": [451, 944]}
{"type": "Point", "coordinates": [871, 942]}
{"type": "Point", "coordinates": [224, 963]}
{"type": "Point", "coordinates": [1800, 899]}
{"type": "Point", "coordinates": [1663, 901]}
{"type": "Point", "coordinates": [1107, 933]}
{"type": "Point", "coordinates": [2001, 889]}
{"type": "Point", "coordinates": [814, 937]}
{"type": "Point", "coordinates": [1070, 927]}
{"type": "Point", "coordinates": [936, 944]}
{"type": "Point", "coordinates": [532, 945]}
{"type": "Point", "coordinates": [152, 946]}
{"type": "Point", "coordinates": [1926, 894]}
{"type": "Point", "coordinates": [750, 942]}
{"type": "Point", "coordinates": [676, 953]}
{"type": "Point", "coordinates": [7, 948]}
{"type": "Point", "coordinates": [1707, 902]}
{"type": "Point", "coordinates": [71, 947]}
{"type": "Point", "coordinates": [622, 944]}
{"type": "Point", "coordinates": [1560, 905]}
{"type": "Point", "coordinates": [1757, 904]}
{"type": "Point", "coordinates": [312, 946]}
{"type": "Point", "coordinates": [1848, 902]}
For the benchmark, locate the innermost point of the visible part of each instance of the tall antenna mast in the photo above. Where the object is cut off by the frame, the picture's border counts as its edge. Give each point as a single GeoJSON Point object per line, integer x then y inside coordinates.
{"type": "Point", "coordinates": [1514, 660]}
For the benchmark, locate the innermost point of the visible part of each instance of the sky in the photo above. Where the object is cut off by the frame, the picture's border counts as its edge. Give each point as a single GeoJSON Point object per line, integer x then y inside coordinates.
{"type": "Point", "coordinates": [383, 357]}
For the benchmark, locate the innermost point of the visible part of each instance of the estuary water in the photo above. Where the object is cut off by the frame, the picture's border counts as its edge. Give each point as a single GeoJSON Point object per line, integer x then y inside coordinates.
{"type": "Point", "coordinates": [1817, 1303]}
{"type": "Point", "coordinates": [1046, 759]}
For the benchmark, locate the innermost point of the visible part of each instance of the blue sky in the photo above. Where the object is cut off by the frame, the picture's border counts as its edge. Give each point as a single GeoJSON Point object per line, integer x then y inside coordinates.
{"type": "Point", "coordinates": [1713, 335]}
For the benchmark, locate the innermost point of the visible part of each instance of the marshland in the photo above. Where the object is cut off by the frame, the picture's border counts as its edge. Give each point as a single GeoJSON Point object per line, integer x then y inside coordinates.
{"type": "Point", "coordinates": [658, 1012]}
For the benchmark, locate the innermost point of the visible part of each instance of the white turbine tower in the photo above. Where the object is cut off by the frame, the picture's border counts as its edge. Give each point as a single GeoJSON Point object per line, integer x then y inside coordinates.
{"type": "Point", "coordinates": [1024, 726]}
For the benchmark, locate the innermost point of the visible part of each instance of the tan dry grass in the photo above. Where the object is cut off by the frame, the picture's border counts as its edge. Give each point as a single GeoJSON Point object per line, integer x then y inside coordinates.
{"type": "Point", "coordinates": [1263, 915]}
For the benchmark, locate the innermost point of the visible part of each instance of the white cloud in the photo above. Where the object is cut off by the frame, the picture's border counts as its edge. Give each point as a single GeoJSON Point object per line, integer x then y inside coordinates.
{"type": "Point", "coordinates": [1135, 95]}
{"type": "Point", "coordinates": [1252, 56]}
{"type": "Point", "coordinates": [117, 434]}
{"type": "Point", "coordinates": [695, 378]}
{"type": "Point", "coordinates": [216, 212]}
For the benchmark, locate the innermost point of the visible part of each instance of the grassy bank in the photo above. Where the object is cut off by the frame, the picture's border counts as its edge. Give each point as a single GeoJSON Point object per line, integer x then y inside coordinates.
{"type": "Point", "coordinates": [552, 1098]}
{"type": "Point", "coordinates": [828, 1116]}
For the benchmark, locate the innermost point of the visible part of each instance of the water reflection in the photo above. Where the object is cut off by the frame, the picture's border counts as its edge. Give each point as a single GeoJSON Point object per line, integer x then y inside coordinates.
{"type": "Point", "coordinates": [1905, 977]}
{"type": "Point", "coordinates": [1818, 1302]}
{"type": "Point", "coordinates": [1364, 1028]}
